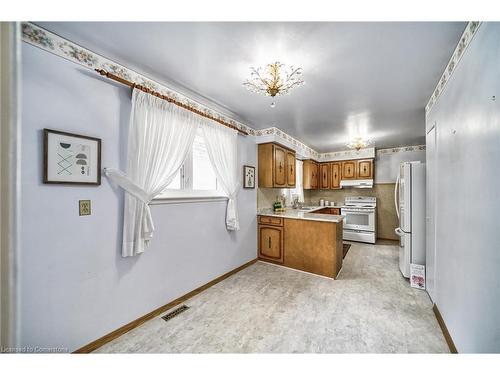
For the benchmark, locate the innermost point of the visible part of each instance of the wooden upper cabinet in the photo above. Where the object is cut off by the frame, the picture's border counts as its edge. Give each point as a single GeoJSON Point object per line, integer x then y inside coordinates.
{"type": "Point", "coordinates": [365, 169]}
{"type": "Point", "coordinates": [274, 169]}
{"type": "Point", "coordinates": [335, 173]}
{"type": "Point", "coordinates": [279, 166]}
{"type": "Point", "coordinates": [349, 170]}
{"type": "Point", "coordinates": [310, 174]}
{"type": "Point", "coordinates": [315, 176]}
{"type": "Point", "coordinates": [324, 173]}
{"type": "Point", "coordinates": [290, 168]}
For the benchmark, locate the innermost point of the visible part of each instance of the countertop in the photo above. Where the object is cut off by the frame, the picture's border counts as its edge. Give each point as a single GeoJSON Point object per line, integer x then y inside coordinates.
{"type": "Point", "coordinates": [329, 206]}
{"type": "Point", "coordinates": [302, 214]}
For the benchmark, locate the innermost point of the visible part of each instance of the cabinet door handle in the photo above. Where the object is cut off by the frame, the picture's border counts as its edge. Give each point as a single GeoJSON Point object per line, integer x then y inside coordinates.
{"type": "Point", "coordinates": [291, 169]}
{"type": "Point", "coordinates": [269, 241]}
{"type": "Point", "coordinates": [280, 167]}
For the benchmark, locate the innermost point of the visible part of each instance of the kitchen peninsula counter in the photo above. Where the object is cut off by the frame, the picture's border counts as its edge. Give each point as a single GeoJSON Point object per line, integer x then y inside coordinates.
{"type": "Point", "coordinates": [302, 215]}
{"type": "Point", "coordinates": [302, 240]}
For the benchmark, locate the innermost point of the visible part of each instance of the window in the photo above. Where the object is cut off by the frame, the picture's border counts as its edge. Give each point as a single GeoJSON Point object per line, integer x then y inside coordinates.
{"type": "Point", "coordinates": [196, 178]}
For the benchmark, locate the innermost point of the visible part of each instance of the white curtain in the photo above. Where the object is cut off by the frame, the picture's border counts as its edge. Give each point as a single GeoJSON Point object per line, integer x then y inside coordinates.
{"type": "Point", "coordinates": [299, 185]}
{"type": "Point", "coordinates": [221, 143]}
{"type": "Point", "coordinates": [160, 136]}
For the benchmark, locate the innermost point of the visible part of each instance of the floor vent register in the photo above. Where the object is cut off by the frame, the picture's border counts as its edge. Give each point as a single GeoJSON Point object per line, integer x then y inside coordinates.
{"type": "Point", "coordinates": [174, 313]}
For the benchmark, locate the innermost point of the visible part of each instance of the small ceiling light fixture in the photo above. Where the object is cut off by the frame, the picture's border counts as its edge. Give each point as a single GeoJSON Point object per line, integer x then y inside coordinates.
{"type": "Point", "coordinates": [274, 79]}
{"type": "Point", "coordinates": [358, 143]}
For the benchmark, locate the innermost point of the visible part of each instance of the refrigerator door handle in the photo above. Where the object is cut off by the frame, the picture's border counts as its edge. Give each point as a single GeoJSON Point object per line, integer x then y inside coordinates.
{"type": "Point", "coordinates": [399, 232]}
{"type": "Point", "coordinates": [396, 196]}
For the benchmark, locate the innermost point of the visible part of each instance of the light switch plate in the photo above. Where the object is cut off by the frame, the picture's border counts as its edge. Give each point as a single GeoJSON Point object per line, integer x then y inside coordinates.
{"type": "Point", "coordinates": [85, 208]}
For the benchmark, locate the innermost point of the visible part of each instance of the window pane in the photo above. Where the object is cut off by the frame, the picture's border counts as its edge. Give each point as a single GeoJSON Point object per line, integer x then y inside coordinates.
{"type": "Point", "coordinates": [176, 182]}
{"type": "Point", "coordinates": [203, 173]}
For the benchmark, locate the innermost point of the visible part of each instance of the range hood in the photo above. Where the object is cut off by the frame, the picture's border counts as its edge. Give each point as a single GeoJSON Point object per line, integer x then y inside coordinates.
{"type": "Point", "coordinates": [364, 184]}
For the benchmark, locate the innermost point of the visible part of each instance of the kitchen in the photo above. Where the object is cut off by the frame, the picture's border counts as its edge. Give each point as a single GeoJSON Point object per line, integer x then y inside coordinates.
{"type": "Point", "coordinates": [338, 179]}
{"type": "Point", "coordinates": [302, 187]}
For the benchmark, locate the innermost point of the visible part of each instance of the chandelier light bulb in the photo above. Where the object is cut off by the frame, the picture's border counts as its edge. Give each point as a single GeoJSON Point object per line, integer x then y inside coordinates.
{"type": "Point", "coordinates": [274, 79]}
{"type": "Point", "coordinates": [358, 143]}
{"type": "Point", "coordinates": [273, 104]}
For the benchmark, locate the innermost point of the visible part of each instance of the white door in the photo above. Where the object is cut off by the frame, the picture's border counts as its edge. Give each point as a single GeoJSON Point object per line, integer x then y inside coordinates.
{"type": "Point", "coordinates": [430, 219]}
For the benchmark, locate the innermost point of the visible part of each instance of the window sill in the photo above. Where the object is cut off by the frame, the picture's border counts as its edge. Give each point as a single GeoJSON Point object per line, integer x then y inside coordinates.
{"type": "Point", "coordinates": [187, 199]}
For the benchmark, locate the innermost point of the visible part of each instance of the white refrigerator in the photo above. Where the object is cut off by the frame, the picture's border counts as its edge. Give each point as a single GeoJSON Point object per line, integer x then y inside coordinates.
{"type": "Point", "coordinates": [409, 198]}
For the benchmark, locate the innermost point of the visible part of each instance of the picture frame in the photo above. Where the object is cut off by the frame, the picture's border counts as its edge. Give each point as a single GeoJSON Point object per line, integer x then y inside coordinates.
{"type": "Point", "coordinates": [70, 158]}
{"type": "Point", "coordinates": [248, 177]}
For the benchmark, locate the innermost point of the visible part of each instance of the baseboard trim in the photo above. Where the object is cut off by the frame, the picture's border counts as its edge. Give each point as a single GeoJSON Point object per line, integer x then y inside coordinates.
{"type": "Point", "coordinates": [390, 241]}
{"type": "Point", "coordinates": [136, 323]}
{"type": "Point", "coordinates": [446, 333]}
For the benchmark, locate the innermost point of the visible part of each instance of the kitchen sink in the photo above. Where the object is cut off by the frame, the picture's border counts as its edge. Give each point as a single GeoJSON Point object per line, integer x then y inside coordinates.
{"type": "Point", "coordinates": [307, 208]}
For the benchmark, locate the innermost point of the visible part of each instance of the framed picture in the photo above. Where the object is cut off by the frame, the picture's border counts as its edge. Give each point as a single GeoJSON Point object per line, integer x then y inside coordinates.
{"type": "Point", "coordinates": [248, 177]}
{"type": "Point", "coordinates": [71, 158]}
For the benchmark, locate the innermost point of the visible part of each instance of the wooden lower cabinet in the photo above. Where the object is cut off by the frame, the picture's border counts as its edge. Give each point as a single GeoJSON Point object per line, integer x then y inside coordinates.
{"type": "Point", "coordinates": [271, 243]}
{"type": "Point", "coordinates": [328, 211]}
{"type": "Point", "coordinates": [306, 245]}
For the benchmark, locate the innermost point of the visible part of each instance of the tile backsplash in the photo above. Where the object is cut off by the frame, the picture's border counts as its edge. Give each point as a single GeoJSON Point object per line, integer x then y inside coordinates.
{"type": "Point", "coordinates": [266, 197]}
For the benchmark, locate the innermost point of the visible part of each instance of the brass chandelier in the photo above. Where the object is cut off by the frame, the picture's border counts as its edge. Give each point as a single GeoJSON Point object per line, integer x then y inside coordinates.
{"type": "Point", "coordinates": [358, 143]}
{"type": "Point", "coordinates": [274, 79]}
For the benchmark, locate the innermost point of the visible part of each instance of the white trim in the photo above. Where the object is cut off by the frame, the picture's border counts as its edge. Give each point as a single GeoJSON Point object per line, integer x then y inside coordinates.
{"type": "Point", "coordinates": [10, 174]}
{"type": "Point", "coordinates": [187, 199]}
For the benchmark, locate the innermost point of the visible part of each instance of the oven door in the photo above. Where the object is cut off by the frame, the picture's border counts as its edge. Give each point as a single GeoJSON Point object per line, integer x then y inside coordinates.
{"type": "Point", "coordinates": [359, 219]}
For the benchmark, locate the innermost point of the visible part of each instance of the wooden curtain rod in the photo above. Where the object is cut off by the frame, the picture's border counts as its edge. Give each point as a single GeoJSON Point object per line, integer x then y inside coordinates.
{"type": "Point", "coordinates": [161, 96]}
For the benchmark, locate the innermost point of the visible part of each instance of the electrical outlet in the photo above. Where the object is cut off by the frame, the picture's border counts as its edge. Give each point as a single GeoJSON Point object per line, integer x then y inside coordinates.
{"type": "Point", "coordinates": [84, 207]}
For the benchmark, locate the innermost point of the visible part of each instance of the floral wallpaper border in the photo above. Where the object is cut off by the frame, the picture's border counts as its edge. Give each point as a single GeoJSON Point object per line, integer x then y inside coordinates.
{"type": "Point", "coordinates": [68, 50]}
{"type": "Point", "coordinates": [359, 154]}
{"type": "Point", "coordinates": [467, 36]}
{"type": "Point", "coordinates": [394, 150]}
{"type": "Point", "coordinates": [347, 154]}
{"type": "Point", "coordinates": [305, 150]}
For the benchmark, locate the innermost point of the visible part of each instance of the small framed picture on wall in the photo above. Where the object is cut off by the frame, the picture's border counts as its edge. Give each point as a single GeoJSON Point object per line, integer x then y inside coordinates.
{"type": "Point", "coordinates": [248, 177]}
{"type": "Point", "coordinates": [71, 158]}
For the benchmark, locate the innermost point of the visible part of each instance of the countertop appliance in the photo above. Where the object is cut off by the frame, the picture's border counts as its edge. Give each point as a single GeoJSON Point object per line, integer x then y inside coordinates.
{"type": "Point", "coordinates": [409, 198]}
{"type": "Point", "coordinates": [360, 219]}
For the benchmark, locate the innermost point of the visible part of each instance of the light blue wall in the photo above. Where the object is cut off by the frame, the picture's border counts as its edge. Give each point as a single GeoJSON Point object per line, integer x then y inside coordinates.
{"type": "Point", "coordinates": [75, 286]}
{"type": "Point", "coordinates": [468, 196]}
{"type": "Point", "coordinates": [387, 165]}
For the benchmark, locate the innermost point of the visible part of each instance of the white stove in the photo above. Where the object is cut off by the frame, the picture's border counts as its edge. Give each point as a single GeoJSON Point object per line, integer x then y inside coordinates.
{"type": "Point", "coordinates": [360, 219]}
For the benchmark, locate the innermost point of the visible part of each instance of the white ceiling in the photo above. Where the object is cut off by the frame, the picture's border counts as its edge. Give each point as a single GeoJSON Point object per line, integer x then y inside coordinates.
{"type": "Point", "coordinates": [366, 78]}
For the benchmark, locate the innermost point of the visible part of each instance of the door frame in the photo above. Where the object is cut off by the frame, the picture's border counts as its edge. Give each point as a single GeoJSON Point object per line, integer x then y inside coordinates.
{"type": "Point", "coordinates": [431, 188]}
{"type": "Point", "coordinates": [10, 163]}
